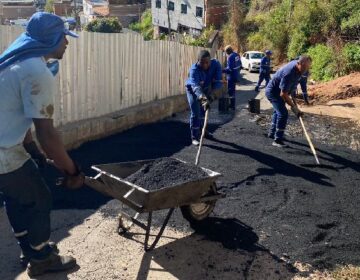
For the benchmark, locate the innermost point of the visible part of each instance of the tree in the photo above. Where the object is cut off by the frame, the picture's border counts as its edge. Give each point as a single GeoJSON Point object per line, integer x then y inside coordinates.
{"type": "Point", "coordinates": [144, 26]}
{"type": "Point", "coordinates": [235, 31]}
{"type": "Point", "coordinates": [104, 25]}
{"type": "Point", "coordinates": [49, 7]}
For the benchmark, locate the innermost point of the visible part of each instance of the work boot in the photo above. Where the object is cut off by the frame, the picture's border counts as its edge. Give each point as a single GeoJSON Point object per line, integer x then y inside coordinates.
{"type": "Point", "coordinates": [195, 142]}
{"type": "Point", "coordinates": [25, 258]}
{"type": "Point", "coordinates": [306, 100]}
{"type": "Point", "coordinates": [279, 143]}
{"type": "Point", "coordinates": [53, 263]}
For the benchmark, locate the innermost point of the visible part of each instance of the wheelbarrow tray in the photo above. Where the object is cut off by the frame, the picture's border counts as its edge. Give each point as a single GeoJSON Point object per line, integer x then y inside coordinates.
{"type": "Point", "coordinates": [111, 181]}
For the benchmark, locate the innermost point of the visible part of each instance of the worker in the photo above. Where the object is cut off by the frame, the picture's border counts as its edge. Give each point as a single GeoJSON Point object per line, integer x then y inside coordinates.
{"type": "Point", "coordinates": [265, 70]}
{"type": "Point", "coordinates": [27, 89]}
{"type": "Point", "coordinates": [233, 67]}
{"type": "Point", "coordinates": [204, 80]}
{"type": "Point", "coordinates": [278, 93]}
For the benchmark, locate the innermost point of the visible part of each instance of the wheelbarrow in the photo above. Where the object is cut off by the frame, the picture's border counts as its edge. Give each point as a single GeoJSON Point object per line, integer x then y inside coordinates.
{"type": "Point", "coordinates": [196, 199]}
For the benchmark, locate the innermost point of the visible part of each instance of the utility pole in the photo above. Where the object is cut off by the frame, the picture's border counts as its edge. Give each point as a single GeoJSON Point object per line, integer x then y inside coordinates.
{"type": "Point", "coordinates": [168, 15]}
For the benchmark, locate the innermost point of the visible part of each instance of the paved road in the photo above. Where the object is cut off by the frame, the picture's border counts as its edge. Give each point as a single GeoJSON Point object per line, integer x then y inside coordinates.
{"type": "Point", "coordinates": [296, 210]}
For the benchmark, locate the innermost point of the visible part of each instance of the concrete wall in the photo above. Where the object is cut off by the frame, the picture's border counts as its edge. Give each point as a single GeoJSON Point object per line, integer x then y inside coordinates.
{"type": "Point", "coordinates": [127, 14]}
{"type": "Point", "coordinates": [77, 133]}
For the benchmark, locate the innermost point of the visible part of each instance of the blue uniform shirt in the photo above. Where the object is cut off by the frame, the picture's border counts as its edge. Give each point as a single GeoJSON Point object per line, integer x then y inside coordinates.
{"type": "Point", "coordinates": [233, 66]}
{"type": "Point", "coordinates": [200, 81]}
{"type": "Point", "coordinates": [265, 65]}
{"type": "Point", "coordinates": [285, 79]}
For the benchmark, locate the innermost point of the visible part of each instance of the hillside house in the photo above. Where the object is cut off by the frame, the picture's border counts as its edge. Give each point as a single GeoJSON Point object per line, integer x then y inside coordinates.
{"type": "Point", "coordinates": [190, 16]}
{"type": "Point", "coordinates": [127, 11]}
{"type": "Point", "coordinates": [16, 9]}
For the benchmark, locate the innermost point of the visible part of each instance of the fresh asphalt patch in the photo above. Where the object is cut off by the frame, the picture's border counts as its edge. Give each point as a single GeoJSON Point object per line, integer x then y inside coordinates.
{"type": "Point", "coordinates": [296, 209]}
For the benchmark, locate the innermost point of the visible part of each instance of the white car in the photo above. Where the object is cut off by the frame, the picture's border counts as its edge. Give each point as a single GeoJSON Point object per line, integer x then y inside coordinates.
{"type": "Point", "coordinates": [251, 60]}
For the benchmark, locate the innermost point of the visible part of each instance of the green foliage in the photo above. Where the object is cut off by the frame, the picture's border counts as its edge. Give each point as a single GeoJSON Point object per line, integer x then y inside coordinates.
{"type": "Point", "coordinates": [49, 6]}
{"type": "Point", "coordinates": [237, 29]}
{"type": "Point", "coordinates": [294, 27]}
{"type": "Point", "coordinates": [308, 22]}
{"type": "Point", "coordinates": [351, 55]}
{"type": "Point", "coordinates": [202, 40]}
{"type": "Point", "coordinates": [276, 28]}
{"type": "Point", "coordinates": [144, 26]}
{"type": "Point", "coordinates": [256, 41]}
{"type": "Point", "coordinates": [104, 25]}
{"type": "Point", "coordinates": [323, 66]}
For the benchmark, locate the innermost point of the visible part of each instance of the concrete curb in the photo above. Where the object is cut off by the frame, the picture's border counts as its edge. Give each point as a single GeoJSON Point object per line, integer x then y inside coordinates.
{"type": "Point", "coordinates": [77, 133]}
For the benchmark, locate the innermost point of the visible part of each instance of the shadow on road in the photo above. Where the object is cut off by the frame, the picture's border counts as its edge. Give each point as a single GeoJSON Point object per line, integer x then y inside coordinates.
{"type": "Point", "coordinates": [220, 249]}
{"type": "Point", "coordinates": [276, 165]}
{"type": "Point", "coordinates": [334, 158]}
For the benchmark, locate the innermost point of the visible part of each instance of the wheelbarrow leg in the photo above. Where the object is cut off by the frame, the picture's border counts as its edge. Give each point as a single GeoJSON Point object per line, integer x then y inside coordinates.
{"type": "Point", "coordinates": [148, 230]}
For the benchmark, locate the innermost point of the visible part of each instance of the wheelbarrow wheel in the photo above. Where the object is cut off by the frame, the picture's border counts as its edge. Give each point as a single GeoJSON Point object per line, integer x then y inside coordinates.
{"type": "Point", "coordinates": [197, 212]}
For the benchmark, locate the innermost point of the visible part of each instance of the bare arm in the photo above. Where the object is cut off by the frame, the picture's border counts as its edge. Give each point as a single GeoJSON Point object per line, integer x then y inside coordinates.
{"type": "Point", "coordinates": [53, 146]}
{"type": "Point", "coordinates": [287, 98]}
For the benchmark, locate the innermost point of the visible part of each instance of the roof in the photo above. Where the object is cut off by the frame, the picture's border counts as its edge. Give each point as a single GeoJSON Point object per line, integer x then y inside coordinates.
{"type": "Point", "coordinates": [16, 1]}
{"type": "Point", "coordinates": [101, 10]}
{"type": "Point", "coordinates": [254, 52]}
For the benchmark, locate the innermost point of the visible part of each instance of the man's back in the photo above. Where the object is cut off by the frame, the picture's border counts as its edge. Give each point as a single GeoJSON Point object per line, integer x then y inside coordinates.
{"type": "Point", "coordinates": [26, 90]}
{"type": "Point", "coordinates": [284, 79]}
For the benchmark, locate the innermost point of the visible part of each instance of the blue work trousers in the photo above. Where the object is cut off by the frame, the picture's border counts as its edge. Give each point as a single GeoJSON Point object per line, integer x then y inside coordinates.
{"type": "Point", "coordinates": [231, 92]}
{"type": "Point", "coordinates": [279, 117]}
{"type": "Point", "coordinates": [197, 114]}
{"type": "Point", "coordinates": [28, 203]}
{"type": "Point", "coordinates": [263, 76]}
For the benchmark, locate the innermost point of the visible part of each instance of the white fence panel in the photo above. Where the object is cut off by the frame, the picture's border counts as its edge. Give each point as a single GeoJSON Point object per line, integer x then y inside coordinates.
{"type": "Point", "coordinates": [103, 73]}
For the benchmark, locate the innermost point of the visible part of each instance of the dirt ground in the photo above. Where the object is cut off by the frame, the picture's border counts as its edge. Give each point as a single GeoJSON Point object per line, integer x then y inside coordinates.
{"type": "Point", "coordinates": [338, 98]}
{"type": "Point", "coordinates": [103, 254]}
{"type": "Point", "coordinates": [341, 88]}
{"type": "Point", "coordinates": [282, 218]}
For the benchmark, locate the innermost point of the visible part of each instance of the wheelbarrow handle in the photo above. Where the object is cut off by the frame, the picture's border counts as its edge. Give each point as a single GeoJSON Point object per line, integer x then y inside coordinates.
{"type": "Point", "coordinates": [95, 184]}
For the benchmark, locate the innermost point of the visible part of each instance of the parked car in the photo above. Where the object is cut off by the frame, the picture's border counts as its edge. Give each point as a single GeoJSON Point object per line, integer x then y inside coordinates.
{"type": "Point", "coordinates": [251, 60]}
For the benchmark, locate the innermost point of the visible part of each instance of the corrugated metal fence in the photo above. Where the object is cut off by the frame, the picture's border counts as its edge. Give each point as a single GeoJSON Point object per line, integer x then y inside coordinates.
{"type": "Point", "coordinates": [103, 73]}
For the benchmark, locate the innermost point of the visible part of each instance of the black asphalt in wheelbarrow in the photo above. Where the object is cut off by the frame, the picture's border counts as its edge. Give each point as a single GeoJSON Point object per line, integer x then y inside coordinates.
{"type": "Point", "coordinates": [196, 198]}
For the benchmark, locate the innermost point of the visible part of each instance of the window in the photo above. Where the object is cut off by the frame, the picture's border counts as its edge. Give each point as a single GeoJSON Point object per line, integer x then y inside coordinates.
{"type": "Point", "coordinates": [183, 8]}
{"type": "Point", "coordinates": [158, 4]}
{"type": "Point", "coordinates": [199, 12]}
{"type": "Point", "coordinates": [171, 6]}
{"type": "Point", "coordinates": [256, 55]}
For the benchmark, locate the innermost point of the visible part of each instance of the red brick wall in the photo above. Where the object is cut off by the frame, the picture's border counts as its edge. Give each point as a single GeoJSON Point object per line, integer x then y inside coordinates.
{"type": "Point", "coordinates": [217, 15]}
{"type": "Point", "coordinates": [62, 9]}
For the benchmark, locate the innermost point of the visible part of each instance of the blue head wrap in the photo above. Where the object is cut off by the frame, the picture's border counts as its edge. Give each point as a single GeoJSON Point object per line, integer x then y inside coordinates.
{"type": "Point", "coordinates": [43, 35]}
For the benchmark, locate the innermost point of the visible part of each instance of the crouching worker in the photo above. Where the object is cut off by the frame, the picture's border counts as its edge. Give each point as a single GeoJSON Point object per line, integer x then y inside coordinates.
{"type": "Point", "coordinates": [232, 70]}
{"type": "Point", "coordinates": [279, 91]}
{"type": "Point", "coordinates": [202, 85]}
{"type": "Point", "coordinates": [27, 89]}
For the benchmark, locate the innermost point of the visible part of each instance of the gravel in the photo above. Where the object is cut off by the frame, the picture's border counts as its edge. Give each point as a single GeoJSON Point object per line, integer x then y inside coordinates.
{"type": "Point", "coordinates": [166, 172]}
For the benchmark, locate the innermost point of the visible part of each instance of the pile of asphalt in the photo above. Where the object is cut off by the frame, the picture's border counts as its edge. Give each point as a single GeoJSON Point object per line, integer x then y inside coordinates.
{"type": "Point", "coordinates": [165, 172]}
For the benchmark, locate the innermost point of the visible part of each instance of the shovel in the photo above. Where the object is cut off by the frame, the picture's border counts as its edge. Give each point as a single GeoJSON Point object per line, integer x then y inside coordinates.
{"type": "Point", "coordinates": [202, 136]}
{"type": "Point", "coordinates": [308, 137]}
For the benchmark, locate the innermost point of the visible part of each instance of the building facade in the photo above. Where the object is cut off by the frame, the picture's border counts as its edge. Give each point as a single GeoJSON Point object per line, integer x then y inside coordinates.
{"type": "Point", "coordinates": [190, 16]}
{"type": "Point", "coordinates": [16, 9]}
